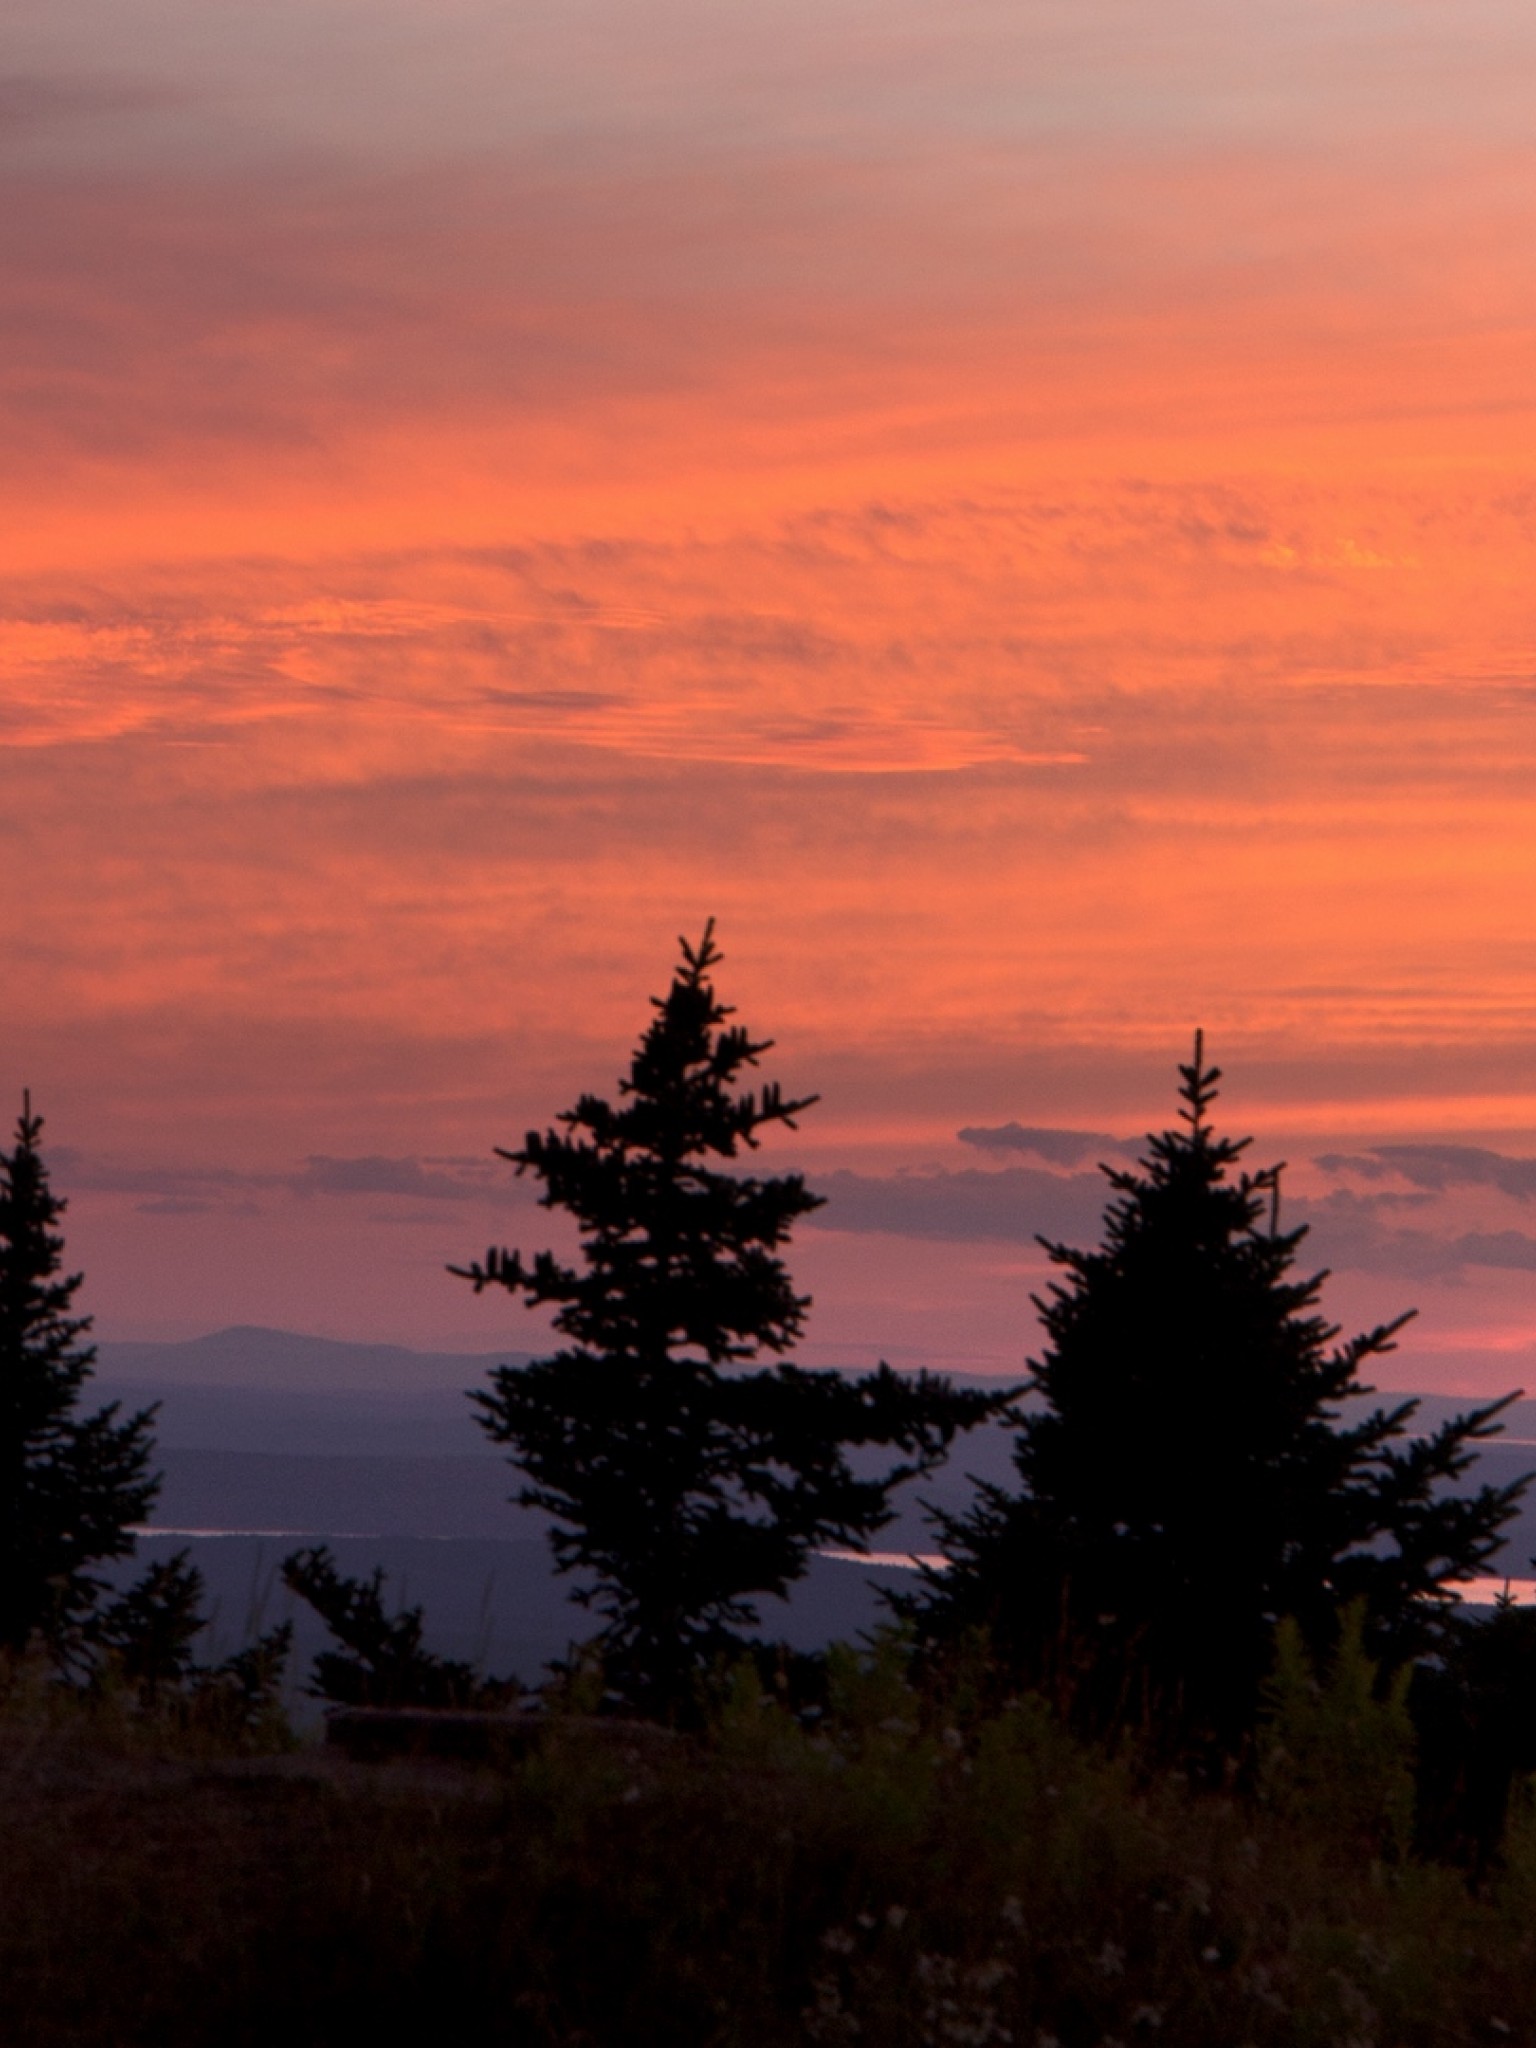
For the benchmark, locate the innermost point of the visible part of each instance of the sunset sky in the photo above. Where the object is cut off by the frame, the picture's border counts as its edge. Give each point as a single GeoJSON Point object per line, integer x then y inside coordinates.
{"type": "Point", "coordinates": [1025, 510]}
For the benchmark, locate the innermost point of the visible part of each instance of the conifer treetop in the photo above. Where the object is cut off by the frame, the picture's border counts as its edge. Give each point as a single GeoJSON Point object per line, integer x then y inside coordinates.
{"type": "Point", "coordinates": [72, 1486]}
{"type": "Point", "coordinates": [36, 1296]}
{"type": "Point", "coordinates": [679, 1256]}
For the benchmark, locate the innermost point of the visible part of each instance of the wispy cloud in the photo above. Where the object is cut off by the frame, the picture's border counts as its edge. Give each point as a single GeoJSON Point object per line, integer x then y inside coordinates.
{"type": "Point", "coordinates": [42, 100]}
{"type": "Point", "coordinates": [1027, 523]}
{"type": "Point", "coordinates": [1514, 1249]}
{"type": "Point", "coordinates": [187, 1189]}
{"type": "Point", "coordinates": [380, 1176]}
{"type": "Point", "coordinates": [1061, 1147]}
{"type": "Point", "coordinates": [1021, 1205]}
{"type": "Point", "coordinates": [1439, 1167]}
{"type": "Point", "coordinates": [1012, 1205]}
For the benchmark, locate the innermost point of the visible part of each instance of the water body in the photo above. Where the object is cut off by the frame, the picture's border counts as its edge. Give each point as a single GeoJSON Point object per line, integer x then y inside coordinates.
{"type": "Point", "coordinates": [268, 1441]}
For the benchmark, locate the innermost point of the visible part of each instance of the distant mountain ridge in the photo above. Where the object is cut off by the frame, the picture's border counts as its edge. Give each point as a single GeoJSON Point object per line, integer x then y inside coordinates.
{"type": "Point", "coordinates": [374, 1448]}
{"type": "Point", "coordinates": [257, 1360]}
{"type": "Point", "coordinates": [268, 1429]}
{"type": "Point", "coordinates": [247, 1355]}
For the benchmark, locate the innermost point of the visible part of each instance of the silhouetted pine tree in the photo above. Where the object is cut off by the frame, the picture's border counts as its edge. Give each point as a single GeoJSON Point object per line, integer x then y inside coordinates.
{"type": "Point", "coordinates": [380, 1661]}
{"type": "Point", "coordinates": [145, 1639]}
{"type": "Point", "coordinates": [71, 1486]}
{"type": "Point", "coordinates": [1191, 1473]}
{"type": "Point", "coordinates": [151, 1628]}
{"type": "Point", "coordinates": [682, 1489]}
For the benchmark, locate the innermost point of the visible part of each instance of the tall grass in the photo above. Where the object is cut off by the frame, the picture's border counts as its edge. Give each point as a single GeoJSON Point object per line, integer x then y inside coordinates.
{"type": "Point", "coordinates": [901, 1875]}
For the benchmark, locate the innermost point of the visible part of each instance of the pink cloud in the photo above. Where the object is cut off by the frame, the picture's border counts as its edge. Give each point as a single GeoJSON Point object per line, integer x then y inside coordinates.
{"type": "Point", "coordinates": [1020, 511]}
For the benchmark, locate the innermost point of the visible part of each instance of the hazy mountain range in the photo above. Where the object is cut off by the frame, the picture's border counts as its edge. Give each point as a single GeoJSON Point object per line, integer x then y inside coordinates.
{"type": "Point", "coordinates": [267, 1438]}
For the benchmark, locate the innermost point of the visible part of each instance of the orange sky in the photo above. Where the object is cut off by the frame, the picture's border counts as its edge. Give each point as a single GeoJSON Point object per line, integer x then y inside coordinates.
{"type": "Point", "coordinates": [1026, 514]}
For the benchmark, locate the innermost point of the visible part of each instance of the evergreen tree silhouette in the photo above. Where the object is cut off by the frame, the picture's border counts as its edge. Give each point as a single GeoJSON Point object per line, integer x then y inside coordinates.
{"type": "Point", "coordinates": [1190, 1472]}
{"type": "Point", "coordinates": [680, 1488]}
{"type": "Point", "coordinates": [151, 1628]}
{"type": "Point", "coordinates": [71, 1485]}
{"type": "Point", "coordinates": [380, 1661]}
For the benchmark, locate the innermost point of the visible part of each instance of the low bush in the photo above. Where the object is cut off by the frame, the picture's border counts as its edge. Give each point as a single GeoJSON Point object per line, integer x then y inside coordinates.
{"type": "Point", "coordinates": [884, 1875]}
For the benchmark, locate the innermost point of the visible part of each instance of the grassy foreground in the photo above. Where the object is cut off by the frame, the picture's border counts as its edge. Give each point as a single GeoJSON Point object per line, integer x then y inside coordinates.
{"type": "Point", "coordinates": [887, 1883]}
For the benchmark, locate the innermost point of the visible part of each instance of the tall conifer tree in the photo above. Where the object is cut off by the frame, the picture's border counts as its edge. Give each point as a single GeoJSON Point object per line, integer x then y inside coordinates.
{"type": "Point", "coordinates": [71, 1485]}
{"type": "Point", "coordinates": [681, 1487]}
{"type": "Point", "coordinates": [1196, 1464]}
